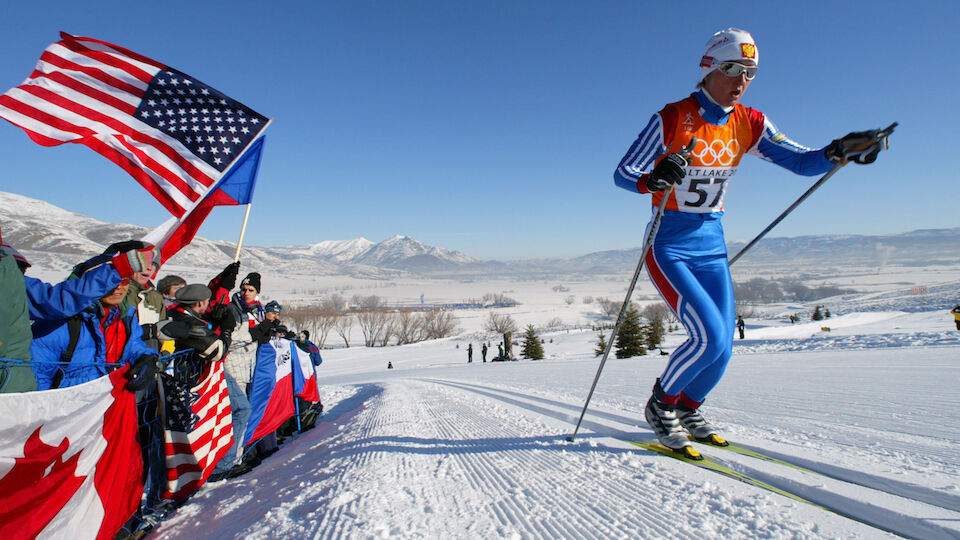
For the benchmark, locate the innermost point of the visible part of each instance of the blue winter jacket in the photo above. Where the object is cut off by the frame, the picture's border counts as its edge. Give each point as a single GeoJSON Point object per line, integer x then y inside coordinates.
{"type": "Point", "coordinates": [55, 302]}
{"type": "Point", "coordinates": [51, 338]}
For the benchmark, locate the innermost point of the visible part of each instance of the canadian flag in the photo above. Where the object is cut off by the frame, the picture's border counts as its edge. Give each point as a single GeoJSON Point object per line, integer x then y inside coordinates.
{"type": "Point", "coordinates": [70, 462]}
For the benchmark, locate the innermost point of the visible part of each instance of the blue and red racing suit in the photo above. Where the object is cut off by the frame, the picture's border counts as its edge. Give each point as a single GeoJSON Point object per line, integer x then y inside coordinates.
{"type": "Point", "coordinates": [688, 260]}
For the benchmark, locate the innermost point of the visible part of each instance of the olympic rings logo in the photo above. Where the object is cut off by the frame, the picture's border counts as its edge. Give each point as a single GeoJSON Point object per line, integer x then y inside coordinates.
{"type": "Point", "coordinates": [717, 152]}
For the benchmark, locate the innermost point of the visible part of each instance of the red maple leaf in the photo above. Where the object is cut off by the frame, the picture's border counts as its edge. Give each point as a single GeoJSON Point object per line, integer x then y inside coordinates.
{"type": "Point", "coordinates": [37, 487]}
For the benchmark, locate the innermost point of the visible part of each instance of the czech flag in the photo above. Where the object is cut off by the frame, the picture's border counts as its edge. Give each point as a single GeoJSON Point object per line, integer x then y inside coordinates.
{"type": "Point", "coordinates": [271, 392]}
{"type": "Point", "coordinates": [304, 375]}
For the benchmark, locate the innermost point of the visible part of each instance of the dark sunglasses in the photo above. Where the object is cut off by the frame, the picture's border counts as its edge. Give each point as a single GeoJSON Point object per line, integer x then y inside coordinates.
{"type": "Point", "coordinates": [733, 69]}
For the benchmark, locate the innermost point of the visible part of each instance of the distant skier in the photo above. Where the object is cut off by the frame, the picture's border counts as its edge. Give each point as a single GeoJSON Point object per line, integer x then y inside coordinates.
{"type": "Point", "coordinates": [956, 315]}
{"type": "Point", "coordinates": [389, 365]}
{"type": "Point", "coordinates": [470, 353]}
{"type": "Point", "coordinates": [688, 259]}
{"type": "Point", "coordinates": [740, 325]}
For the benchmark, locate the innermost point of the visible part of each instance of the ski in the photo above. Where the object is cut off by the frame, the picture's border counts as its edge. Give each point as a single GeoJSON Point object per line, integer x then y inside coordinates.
{"type": "Point", "coordinates": [736, 448]}
{"type": "Point", "coordinates": [715, 465]}
{"type": "Point", "coordinates": [712, 464]}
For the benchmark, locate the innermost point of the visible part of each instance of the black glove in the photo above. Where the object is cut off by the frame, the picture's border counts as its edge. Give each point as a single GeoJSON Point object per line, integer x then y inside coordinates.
{"type": "Point", "coordinates": [861, 147]}
{"type": "Point", "coordinates": [228, 278]}
{"type": "Point", "coordinates": [222, 317]}
{"type": "Point", "coordinates": [142, 372]}
{"type": "Point", "coordinates": [668, 172]}
{"type": "Point", "coordinates": [126, 245]}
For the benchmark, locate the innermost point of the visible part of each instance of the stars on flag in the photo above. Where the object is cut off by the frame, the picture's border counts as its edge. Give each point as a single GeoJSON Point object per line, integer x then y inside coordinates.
{"type": "Point", "coordinates": [208, 123]}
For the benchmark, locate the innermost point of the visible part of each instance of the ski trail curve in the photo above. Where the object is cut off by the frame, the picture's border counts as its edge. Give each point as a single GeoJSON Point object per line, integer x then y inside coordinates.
{"type": "Point", "coordinates": [422, 459]}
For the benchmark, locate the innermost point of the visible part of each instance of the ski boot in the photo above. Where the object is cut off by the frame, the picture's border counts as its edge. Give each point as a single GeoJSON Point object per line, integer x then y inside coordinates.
{"type": "Point", "coordinates": [698, 427]}
{"type": "Point", "coordinates": [663, 421]}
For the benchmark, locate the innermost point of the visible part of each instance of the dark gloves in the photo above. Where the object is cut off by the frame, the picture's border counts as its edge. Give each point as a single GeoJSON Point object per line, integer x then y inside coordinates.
{"type": "Point", "coordinates": [668, 172]}
{"type": "Point", "coordinates": [284, 332]}
{"type": "Point", "coordinates": [228, 278]}
{"type": "Point", "coordinates": [134, 261]}
{"type": "Point", "coordinates": [861, 147]}
{"type": "Point", "coordinates": [142, 372]}
{"type": "Point", "coordinates": [126, 245]}
{"type": "Point", "coordinates": [222, 317]}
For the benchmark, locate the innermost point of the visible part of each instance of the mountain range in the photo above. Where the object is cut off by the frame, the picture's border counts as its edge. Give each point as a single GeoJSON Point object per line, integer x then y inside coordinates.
{"type": "Point", "coordinates": [54, 238]}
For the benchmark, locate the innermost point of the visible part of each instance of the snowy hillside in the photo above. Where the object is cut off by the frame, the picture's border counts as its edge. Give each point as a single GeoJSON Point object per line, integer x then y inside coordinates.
{"type": "Point", "coordinates": [55, 239]}
{"type": "Point", "coordinates": [865, 431]}
{"type": "Point", "coordinates": [45, 232]}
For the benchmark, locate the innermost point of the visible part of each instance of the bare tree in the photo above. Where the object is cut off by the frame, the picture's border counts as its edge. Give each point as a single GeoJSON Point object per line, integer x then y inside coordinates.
{"type": "Point", "coordinates": [408, 327]}
{"type": "Point", "coordinates": [389, 329]}
{"type": "Point", "coordinates": [373, 323]}
{"type": "Point", "coordinates": [570, 300]}
{"type": "Point", "coordinates": [342, 326]}
{"type": "Point", "coordinates": [608, 307]}
{"type": "Point", "coordinates": [300, 318]}
{"type": "Point", "coordinates": [554, 323]}
{"type": "Point", "coordinates": [326, 320]}
{"type": "Point", "coordinates": [439, 324]}
{"type": "Point", "coordinates": [497, 323]}
{"type": "Point", "coordinates": [657, 311]}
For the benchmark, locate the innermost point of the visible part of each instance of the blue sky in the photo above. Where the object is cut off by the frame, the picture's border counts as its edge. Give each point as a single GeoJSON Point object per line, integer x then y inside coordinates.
{"type": "Point", "coordinates": [493, 128]}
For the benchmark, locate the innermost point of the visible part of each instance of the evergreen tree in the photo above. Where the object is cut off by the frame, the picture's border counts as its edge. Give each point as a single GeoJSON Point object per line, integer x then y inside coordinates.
{"type": "Point", "coordinates": [653, 332]}
{"type": "Point", "coordinates": [817, 315]}
{"type": "Point", "coordinates": [532, 349]}
{"type": "Point", "coordinates": [601, 344]}
{"type": "Point", "coordinates": [630, 338]}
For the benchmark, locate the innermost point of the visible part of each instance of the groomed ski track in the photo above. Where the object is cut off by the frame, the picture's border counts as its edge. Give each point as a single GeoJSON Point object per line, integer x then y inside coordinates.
{"type": "Point", "coordinates": [433, 457]}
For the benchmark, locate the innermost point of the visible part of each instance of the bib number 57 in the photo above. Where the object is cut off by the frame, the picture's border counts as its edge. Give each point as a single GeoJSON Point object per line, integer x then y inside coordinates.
{"type": "Point", "coordinates": [703, 188]}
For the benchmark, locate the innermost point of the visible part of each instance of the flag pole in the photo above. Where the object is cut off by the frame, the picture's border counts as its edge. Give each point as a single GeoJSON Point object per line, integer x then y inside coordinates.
{"type": "Point", "coordinates": [243, 229]}
{"type": "Point", "coordinates": [246, 215]}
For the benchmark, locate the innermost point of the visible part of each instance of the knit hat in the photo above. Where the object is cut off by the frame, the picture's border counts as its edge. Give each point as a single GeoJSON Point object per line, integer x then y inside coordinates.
{"type": "Point", "coordinates": [253, 280]}
{"type": "Point", "coordinates": [193, 293]}
{"type": "Point", "coordinates": [272, 306]}
{"type": "Point", "coordinates": [730, 45]}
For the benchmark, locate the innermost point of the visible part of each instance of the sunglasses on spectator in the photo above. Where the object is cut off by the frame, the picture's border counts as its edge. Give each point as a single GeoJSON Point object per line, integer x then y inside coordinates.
{"type": "Point", "coordinates": [733, 69]}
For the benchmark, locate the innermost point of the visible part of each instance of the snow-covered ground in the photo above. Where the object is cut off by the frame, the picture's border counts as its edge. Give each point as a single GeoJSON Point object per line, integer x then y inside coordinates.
{"type": "Point", "coordinates": [438, 448]}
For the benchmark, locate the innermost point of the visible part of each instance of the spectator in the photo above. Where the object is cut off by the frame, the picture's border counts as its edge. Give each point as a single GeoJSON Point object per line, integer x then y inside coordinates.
{"type": "Point", "coordinates": [190, 330]}
{"type": "Point", "coordinates": [149, 303]}
{"type": "Point", "coordinates": [483, 352]}
{"type": "Point", "coordinates": [23, 298]}
{"type": "Point", "coordinates": [740, 325]}
{"type": "Point", "coordinates": [168, 287]}
{"type": "Point", "coordinates": [248, 312]}
{"type": "Point", "coordinates": [956, 315]}
{"type": "Point", "coordinates": [470, 353]}
{"type": "Point", "coordinates": [271, 326]}
{"type": "Point", "coordinates": [72, 351]}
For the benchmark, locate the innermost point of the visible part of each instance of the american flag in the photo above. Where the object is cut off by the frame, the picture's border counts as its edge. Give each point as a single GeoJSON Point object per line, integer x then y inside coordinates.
{"type": "Point", "coordinates": [174, 134]}
{"type": "Point", "coordinates": [197, 430]}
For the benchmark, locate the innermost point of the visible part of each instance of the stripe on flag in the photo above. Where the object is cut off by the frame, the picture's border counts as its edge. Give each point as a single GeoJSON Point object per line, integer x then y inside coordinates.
{"type": "Point", "coordinates": [174, 134]}
{"type": "Point", "coordinates": [198, 430]}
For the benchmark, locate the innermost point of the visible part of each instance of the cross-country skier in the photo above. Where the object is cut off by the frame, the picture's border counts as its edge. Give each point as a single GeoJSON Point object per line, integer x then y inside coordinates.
{"type": "Point", "coordinates": [688, 258]}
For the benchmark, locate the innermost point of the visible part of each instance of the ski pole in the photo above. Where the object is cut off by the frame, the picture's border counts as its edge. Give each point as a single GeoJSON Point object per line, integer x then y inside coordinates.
{"type": "Point", "coordinates": [647, 244]}
{"type": "Point", "coordinates": [881, 136]}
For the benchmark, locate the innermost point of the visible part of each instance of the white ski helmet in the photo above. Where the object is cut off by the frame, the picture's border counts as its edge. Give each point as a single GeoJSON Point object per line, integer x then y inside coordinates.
{"type": "Point", "coordinates": [730, 45]}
